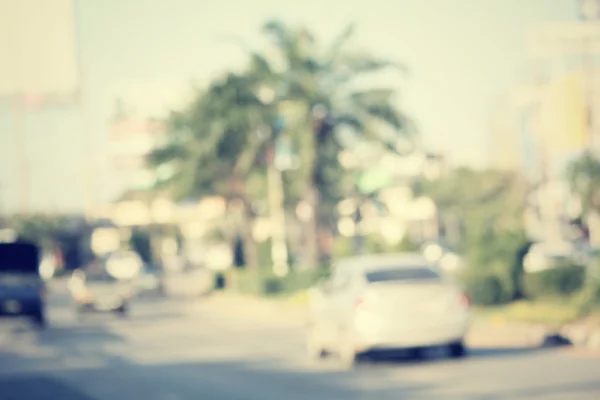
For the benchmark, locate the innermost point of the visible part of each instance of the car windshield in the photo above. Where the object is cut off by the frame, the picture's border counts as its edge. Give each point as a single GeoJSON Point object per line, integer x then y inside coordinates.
{"type": "Point", "coordinates": [402, 274]}
{"type": "Point", "coordinates": [19, 258]}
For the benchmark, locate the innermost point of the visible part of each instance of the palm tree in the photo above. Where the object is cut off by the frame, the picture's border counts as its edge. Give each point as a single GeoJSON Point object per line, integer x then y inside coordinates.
{"type": "Point", "coordinates": [324, 81]}
{"type": "Point", "coordinates": [214, 149]}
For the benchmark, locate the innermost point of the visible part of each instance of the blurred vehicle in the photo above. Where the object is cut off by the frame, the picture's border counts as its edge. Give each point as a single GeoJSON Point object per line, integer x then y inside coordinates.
{"type": "Point", "coordinates": [385, 303]}
{"type": "Point", "coordinates": [95, 289]}
{"type": "Point", "coordinates": [124, 264]}
{"type": "Point", "coordinates": [191, 281]}
{"type": "Point", "coordinates": [22, 290]}
{"type": "Point", "coordinates": [150, 281]}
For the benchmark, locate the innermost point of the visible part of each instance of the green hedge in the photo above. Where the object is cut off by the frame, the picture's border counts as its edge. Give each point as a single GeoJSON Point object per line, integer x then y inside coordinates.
{"type": "Point", "coordinates": [563, 280]}
{"type": "Point", "coordinates": [265, 283]}
{"type": "Point", "coordinates": [486, 289]}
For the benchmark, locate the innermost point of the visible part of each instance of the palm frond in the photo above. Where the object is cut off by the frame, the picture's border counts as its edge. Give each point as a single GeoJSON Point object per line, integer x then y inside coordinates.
{"type": "Point", "coordinates": [338, 44]}
{"type": "Point", "coordinates": [386, 113]}
{"type": "Point", "coordinates": [168, 153]}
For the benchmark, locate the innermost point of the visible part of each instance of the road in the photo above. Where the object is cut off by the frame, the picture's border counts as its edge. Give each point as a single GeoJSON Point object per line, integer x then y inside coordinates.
{"type": "Point", "coordinates": [176, 350]}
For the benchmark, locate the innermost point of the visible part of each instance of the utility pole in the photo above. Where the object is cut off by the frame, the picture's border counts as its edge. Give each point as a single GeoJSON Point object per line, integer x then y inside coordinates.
{"type": "Point", "coordinates": [279, 251]}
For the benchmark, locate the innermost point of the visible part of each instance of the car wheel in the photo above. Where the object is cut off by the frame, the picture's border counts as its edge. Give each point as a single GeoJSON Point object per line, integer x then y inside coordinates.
{"type": "Point", "coordinates": [314, 347]}
{"type": "Point", "coordinates": [39, 319]}
{"type": "Point", "coordinates": [415, 353]}
{"type": "Point", "coordinates": [79, 311]}
{"type": "Point", "coordinates": [457, 349]}
{"type": "Point", "coordinates": [347, 351]}
{"type": "Point", "coordinates": [123, 311]}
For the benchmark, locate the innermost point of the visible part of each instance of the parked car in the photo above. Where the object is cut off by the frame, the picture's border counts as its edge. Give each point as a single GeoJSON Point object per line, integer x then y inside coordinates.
{"type": "Point", "coordinates": [22, 290]}
{"type": "Point", "coordinates": [95, 290]}
{"type": "Point", "coordinates": [191, 281]}
{"type": "Point", "coordinates": [384, 303]}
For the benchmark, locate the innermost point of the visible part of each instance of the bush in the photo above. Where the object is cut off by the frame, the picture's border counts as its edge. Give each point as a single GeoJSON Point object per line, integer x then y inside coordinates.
{"type": "Point", "coordinates": [500, 255]}
{"type": "Point", "coordinates": [265, 283]}
{"type": "Point", "coordinates": [563, 280]}
{"type": "Point", "coordinates": [486, 289]}
{"type": "Point", "coordinates": [373, 244]}
{"type": "Point", "coordinates": [254, 282]}
{"type": "Point", "coordinates": [545, 312]}
{"type": "Point", "coordinates": [298, 280]}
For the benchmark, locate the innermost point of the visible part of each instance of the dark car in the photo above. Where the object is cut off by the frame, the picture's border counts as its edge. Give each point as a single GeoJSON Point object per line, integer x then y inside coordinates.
{"type": "Point", "coordinates": [94, 289]}
{"type": "Point", "coordinates": [22, 290]}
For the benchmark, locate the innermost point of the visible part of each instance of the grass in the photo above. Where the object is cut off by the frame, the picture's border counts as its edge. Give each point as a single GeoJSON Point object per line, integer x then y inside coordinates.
{"type": "Point", "coordinates": [299, 299]}
{"type": "Point", "coordinates": [547, 312]}
{"type": "Point", "coordinates": [552, 312]}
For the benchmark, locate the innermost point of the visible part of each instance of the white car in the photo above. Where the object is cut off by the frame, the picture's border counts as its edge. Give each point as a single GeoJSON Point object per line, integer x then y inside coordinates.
{"type": "Point", "coordinates": [385, 303]}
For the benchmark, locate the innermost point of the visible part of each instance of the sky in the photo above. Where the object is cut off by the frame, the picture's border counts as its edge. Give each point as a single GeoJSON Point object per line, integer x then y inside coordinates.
{"type": "Point", "coordinates": [462, 55]}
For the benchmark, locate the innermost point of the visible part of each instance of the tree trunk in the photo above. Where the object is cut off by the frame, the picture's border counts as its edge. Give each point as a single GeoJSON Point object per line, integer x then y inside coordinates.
{"type": "Point", "coordinates": [359, 237]}
{"type": "Point", "coordinates": [312, 259]}
{"type": "Point", "coordinates": [249, 244]}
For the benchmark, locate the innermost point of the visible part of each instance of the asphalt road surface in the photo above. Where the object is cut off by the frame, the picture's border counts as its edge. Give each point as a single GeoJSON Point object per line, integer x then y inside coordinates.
{"type": "Point", "coordinates": [176, 350]}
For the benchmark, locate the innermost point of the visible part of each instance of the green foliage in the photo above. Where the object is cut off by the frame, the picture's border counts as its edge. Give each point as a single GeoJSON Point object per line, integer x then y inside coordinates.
{"type": "Point", "coordinates": [566, 279]}
{"type": "Point", "coordinates": [487, 208]}
{"type": "Point", "coordinates": [213, 143]}
{"type": "Point", "coordinates": [215, 147]}
{"type": "Point", "coordinates": [584, 177]}
{"type": "Point", "coordinates": [374, 244]}
{"type": "Point", "coordinates": [264, 252]}
{"type": "Point", "coordinates": [486, 289]}
{"type": "Point", "coordinates": [343, 247]}
{"type": "Point", "coordinates": [41, 229]}
{"type": "Point", "coordinates": [265, 283]}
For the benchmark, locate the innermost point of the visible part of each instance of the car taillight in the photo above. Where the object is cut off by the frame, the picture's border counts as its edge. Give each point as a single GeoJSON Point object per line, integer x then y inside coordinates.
{"type": "Point", "coordinates": [359, 303]}
{"type": "Point", "coordinates": [465, 300]}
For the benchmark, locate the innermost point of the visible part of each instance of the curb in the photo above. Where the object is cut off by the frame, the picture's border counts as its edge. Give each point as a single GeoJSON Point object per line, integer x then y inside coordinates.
{"type": "Point", "coordinates": [495, 330]}
{"type": "Point", "coordinates": [576, 334]}
{"type": "Point", "coordinates": [582, 336]}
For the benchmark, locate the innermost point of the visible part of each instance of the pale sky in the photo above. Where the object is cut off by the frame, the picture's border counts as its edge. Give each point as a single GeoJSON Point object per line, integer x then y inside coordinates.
{"type": "Point", "coordinates": [462, 55]}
